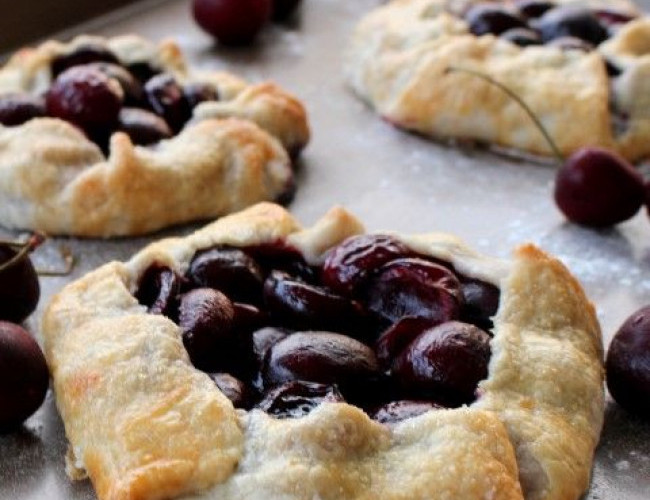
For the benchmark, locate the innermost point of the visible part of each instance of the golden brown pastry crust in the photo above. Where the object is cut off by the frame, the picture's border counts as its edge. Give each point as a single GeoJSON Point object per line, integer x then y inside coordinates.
{"type": "Point", "coordinates": [232, 154]}
{"type": "Point", "coordinates": [531, 434]}
{"type": "Point", "coordinates": [398, 59]}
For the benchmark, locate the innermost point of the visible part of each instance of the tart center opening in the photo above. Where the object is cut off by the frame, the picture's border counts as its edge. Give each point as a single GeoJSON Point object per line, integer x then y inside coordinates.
{"type": "Point", "coordinates": [378, 326]}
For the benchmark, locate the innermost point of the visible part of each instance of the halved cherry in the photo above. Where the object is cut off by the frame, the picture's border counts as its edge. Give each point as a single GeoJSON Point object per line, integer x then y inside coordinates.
{"type": "Point", "coordinates": [233, 388]}
{"type": "Point", "coordinates": [414, 287]}
{"type": "Point", "coordinates": [158, 290]}
{"type": "Point", "coordinates": [398, 336]}
{"type": "Point", "coordinates": [298, 398]}
{"type": "Point", "coordinates": [349, 265]}
{"type": "Point", "coordinates": [302, 306]}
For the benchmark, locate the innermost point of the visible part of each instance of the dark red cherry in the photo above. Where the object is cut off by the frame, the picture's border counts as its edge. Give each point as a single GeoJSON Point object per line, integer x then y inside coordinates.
{"type": "Point", "coordinates": [397, 411]}
{"type": "Point", "coordinates": [302, 306]}
{"type": "Point", "coordinates": [522, 37]}
{"type": "Point", "coordinates": [279, 256]}
{"type": "Point", "coordinates": [206, 318]}
{"type": "Point", "coordinates": [233, 388]}
{"type": "Point", "coordinates": [628, 364]}
{"type": "Point", "coordinates": [324, 357]}
{"type": "Point", "coordinates": [158, 290]}
{"type": "Point", "coordinates": [485, 18]}
{"type": "Point", "coordinates": [612, 17]}
{"type": "Point", "coordinates": [445, 363]}
{"type": "Point", "coordinates": [298, 398]}
{"type": "Point", "coordinates": [86, 97]}
{"type": "Point", "coordinates": [232, 22]}
{"type": "Point", "coordinates": [397, 337]}
{"type": "Point", "coordinates": [531, 9]}
{"type": "Point", "coordinates": [480, 304]}
{"type": "Point", "coordinates": [414, 287]}
{"type": "Point", "coordinates": [264, 339]}
{"type": "Point", "coordinates": [282, 9]}
{"type": "Point", "coordinates": [16, 109]}
{"type": "Point", "coordinates": [571, 20]}
{"type": "Point", "coordinates": [84, 54]}
{"type": "Point", "coordinates": [19, 286]}
{"type": "Point", "coordinates": [230, 270]}
{"type": "Point", "coordinates": [142, 126]}
{"type": "Point", "coordinates": [167, 100]}
{"type": "Point", "coordinates": [23, 376]}
{"type": "Point", "coordinates": [349, 265]}
{"type": "Point", "coordinates": [132, 88]}
{"type": "Point", "coordinates": [198, 92]}
{"type": "Point", "coordinates": [596, 187]}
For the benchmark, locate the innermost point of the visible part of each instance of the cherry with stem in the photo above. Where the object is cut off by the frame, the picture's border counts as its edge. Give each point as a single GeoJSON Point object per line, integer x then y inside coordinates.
{"type": "Point", "coordinates": [594, 186]}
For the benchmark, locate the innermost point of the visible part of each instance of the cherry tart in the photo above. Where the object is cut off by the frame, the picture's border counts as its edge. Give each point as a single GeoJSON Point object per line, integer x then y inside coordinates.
{"type": "Point", "coordinates": [258, 359]}
{"type": "Point", "coordinates": [579, 66]}
{"type": "Point", "coordinates": [99, 137]}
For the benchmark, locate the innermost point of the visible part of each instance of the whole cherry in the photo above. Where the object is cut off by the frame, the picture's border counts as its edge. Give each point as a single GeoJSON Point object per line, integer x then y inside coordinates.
{"type": "Point", "coordinates": [628, 364]}
{"type": "Point", "coordinates": [24, 376]}
{"type": "Point", "coordinates": [86, 97]}
{"type": "Point", "coordinates": [596, 187]}
{"type": "Point", "coordinates": [445, 363]}
{"type": "Point", "coordinates": [232, 22]}
{"type": "Point", "coordinates": [19, 290]}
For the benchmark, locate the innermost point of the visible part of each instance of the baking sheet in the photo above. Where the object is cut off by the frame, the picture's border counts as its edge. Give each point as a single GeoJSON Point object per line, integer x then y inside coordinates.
{"type": "Point", "coordinates": [391, 180]}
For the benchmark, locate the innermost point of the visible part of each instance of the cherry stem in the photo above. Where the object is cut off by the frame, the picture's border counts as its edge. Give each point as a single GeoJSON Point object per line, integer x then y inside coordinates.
{"type": "Point", "coordinates": [517, 99]}
{"type": "Point", "coordinates": [32, 243]}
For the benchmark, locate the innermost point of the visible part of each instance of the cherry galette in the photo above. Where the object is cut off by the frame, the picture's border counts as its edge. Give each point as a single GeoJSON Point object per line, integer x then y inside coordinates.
{"type": "Point", "coordinates": [580, 67]}
{"type": "Point", "coordinates": [255, 358]}
{"type": "Point", "coordinates": [98, 137]}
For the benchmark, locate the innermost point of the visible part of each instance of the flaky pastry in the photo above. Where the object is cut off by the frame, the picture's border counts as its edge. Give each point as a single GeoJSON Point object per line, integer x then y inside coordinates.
{"type": "Point", "coordinates": [144, 423]}
{"type": "Point", "coordinates": [400, 54]}
{"type": "Point", "coordinates": [231, 154]}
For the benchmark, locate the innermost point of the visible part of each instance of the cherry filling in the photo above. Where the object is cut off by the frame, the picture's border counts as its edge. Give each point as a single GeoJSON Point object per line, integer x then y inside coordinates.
{"type": "Point", "coordinates": [92, 89]}
{"type": "Point", "coordinates": [533, 22]}
{"type": "Point", "coordinates": [568, 27]}
{"type": "Point", "coordinates": [377, 325]}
